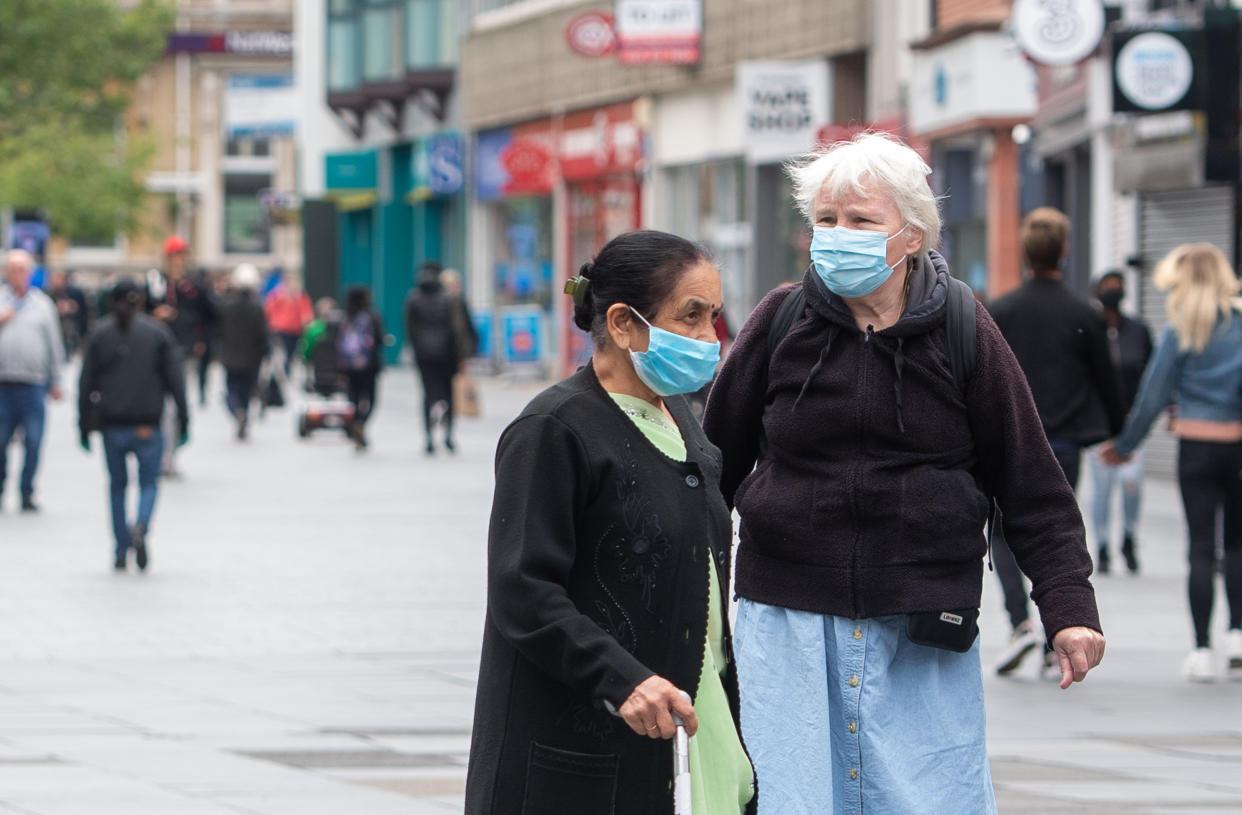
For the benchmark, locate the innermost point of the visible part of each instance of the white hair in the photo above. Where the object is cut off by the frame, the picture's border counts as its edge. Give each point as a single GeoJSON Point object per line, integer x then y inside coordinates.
{"type": "Point", "coordinates": [870, 160]}
{"type": "Point", "coordinates": [246, 276]}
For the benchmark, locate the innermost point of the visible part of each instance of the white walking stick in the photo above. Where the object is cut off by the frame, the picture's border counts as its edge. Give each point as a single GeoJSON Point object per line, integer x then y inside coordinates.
{"type": "Point", "coordinates": [682, 804]}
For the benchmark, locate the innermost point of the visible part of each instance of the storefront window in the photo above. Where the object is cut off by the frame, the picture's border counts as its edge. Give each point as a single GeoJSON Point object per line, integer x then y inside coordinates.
{"type": "Point", "coordinates": [344, 69]}
{"type": "Point", "coordinates": [381, 38]}
{"type": "Point", "coordinates": [431, 34]}
{"type": "Point", "coordinates": [782, 234]}
{"type": "Point", "coordinates": [245, 228]}
{"type": "Point", "coordinates": [523, 252]}
{"type": "Point", "coordinates": [707, 203]}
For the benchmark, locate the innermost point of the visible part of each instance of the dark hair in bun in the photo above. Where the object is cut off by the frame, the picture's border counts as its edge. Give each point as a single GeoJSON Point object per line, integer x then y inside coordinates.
{"type": "Point", "coordinates": [639, 269]}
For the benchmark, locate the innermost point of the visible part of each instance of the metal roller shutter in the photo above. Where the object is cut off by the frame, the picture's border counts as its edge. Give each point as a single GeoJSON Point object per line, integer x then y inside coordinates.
{"type": "Point", "coordinates": [1168, 219]}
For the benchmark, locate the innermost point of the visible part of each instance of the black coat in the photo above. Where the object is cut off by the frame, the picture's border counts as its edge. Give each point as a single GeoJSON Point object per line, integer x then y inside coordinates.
{"type": "Point", "coordinates": [861, 471]}
{"type": "Point", "coordinates": [126, 375]}
{"type": "Point", "coordinates": [243, 333]}
{"type": "Point", "coordinates": [597, 579]}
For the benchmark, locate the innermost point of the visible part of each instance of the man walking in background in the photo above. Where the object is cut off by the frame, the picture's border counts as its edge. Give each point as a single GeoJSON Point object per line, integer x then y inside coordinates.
{"type": "Point", "coordinates": [1061, 343]}
{"type": "Point", "coordinates": [31, 353]}
{"type": "Point", "coordinates": [131, 365]}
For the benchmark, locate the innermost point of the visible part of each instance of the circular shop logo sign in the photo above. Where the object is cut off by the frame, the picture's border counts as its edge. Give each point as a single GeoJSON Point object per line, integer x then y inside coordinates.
{"type": "Point", "coordinates": [1058, 32]}
{"type": "Point", "coordinates": [591, 34]}
{"type": "Point", "coordinates": [1154, 70]}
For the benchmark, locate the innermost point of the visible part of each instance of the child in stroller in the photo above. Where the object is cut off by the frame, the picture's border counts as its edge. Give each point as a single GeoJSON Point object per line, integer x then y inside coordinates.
{"type": "Point", "coordinates": [324, 402]}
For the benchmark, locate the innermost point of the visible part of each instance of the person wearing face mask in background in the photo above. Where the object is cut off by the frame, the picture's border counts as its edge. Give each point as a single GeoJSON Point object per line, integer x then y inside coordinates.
{"type": "Point", "coordinates": [1129, 343]}
{"type": "Point", "coordinates": [608, 570]}
{"type": "Point", "coordinates": [861, 468]}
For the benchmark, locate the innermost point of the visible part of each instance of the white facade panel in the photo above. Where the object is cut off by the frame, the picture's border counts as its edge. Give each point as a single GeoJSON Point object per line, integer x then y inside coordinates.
{"type": "Point", "coordinates": [982, 75]}
{"type": "Point", "coordinates": [695, 126]}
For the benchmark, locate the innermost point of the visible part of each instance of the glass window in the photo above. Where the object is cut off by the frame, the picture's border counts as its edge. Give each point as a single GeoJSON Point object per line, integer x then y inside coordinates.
{"type": "Point", "coordinates": [343, 64]}
{"type": "Point", "coordinates": [432, 33]}
{"type": "Point", "coordinates": [248, 147]}
{"type": "Point", "coordinates": [381, 38]}
{"type": "Point", "coordinates": [245, 228]}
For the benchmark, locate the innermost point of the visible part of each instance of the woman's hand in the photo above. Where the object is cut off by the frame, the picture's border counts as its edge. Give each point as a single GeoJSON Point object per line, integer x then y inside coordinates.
{"type": "Point", "coordinates": [1078, 649]}
{"type": "Point", "coordinates": [649, 710]}
{"type": "Point", "coordinates": [1110, 456]}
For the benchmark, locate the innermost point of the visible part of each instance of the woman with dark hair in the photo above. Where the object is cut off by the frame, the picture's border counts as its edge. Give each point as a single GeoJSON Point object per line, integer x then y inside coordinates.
{"type": "Point", "coordinates": [608, 563]}
{"type": "Point", "coordinates": [358, 347]}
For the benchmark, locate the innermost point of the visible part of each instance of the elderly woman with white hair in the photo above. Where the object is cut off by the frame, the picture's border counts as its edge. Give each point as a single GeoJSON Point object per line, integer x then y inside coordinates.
{"type": "Point", "coordinates": [864, 434]}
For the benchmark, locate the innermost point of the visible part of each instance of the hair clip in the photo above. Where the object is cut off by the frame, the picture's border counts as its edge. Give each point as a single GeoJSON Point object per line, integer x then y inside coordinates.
{"type": "Point", "coordinates": [576, 287]}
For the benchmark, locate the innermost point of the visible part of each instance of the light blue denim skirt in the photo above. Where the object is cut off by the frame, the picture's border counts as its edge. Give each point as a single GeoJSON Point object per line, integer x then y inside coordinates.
{"type": "Point", "coordinates": [849, 716]}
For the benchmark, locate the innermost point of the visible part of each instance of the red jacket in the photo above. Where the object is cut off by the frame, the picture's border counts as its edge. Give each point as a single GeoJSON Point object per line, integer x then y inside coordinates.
{"type": "Point", "coordinates": [287, 314]}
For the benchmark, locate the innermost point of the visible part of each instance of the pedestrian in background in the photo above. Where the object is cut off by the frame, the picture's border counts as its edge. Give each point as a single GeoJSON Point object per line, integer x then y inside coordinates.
{"type": "Point", "coordinates": [1129, 343]}
{"type": "Point", "coordinates": [359, 344]}
{"type": "Point", "coordinates": [1061, 342]}
{"type": "Point", "coordinates": [861, 466]}
{"type": "Point", "coordinates": [288, 309]}
{"type": "Point", "coordinates": [1198, 367]}
{"type": "Point", "coordinates": [183, 303]}
{"type": "Point", "coordinates": [243, 343]}
{"type": "Point", "coordinates": [70, 300]}
{"type": "Point", "coordinates": [436, 326]}
{"type": "Point", "coordinates": [31, 353]}
{"type": "Point", "coordinates": [608, 564]}
{"type": "Point", "coordinates": [131, 365]}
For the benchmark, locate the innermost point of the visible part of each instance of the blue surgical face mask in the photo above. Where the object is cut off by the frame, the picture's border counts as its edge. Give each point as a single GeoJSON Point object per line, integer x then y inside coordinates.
{"type": "Point", "coordinates": [673, 363]}
{"type": "Point", "coordinates": [851, 262]}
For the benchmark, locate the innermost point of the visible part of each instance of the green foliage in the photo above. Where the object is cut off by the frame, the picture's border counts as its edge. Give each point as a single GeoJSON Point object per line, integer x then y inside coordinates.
{"type": "Point", "coordinates": [67, 72]}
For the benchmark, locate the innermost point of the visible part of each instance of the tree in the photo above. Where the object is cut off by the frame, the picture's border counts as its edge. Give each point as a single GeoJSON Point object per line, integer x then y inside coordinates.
{"type": "Point", "coordinates": [67, 74]}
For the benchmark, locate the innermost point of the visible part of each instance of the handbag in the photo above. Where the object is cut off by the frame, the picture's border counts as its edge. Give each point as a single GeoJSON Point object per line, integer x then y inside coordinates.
{"type": "Point", "coordinates": [953, 630]}
{"type": "Point", "coordinates": [466, 396]}
{"type": "Point", "coordinates": [273, 396]}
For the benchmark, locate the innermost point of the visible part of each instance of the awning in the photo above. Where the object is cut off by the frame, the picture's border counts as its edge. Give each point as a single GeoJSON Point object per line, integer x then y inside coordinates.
{"type": "Point", "coordinates": [350, 200]}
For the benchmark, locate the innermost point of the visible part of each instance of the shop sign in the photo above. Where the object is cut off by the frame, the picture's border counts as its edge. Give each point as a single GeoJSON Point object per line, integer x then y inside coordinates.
{"type": "Point", "coordinates": [663, 32]}
{"type": "Point", "coordinates": [1058, 33]}
{"type": "Point", "coordinates": [437, 167]}
{"type": "Point", "coordinates": [350, 171]}
{"type": "Point", "coordinates": [528, 159]}
{"type": "Point", "coordinates": [591, 34]}
{"type": "Point", "coordinates": [783, 106]}
{"type": "Point", "coordinates": [260, 106]}
{"type": "Point", "coordinates": [248, 43]}
{"type": "Point", "coordinates": [1154, 71]}
{"type": "Point", "coordinates": [522, 334]}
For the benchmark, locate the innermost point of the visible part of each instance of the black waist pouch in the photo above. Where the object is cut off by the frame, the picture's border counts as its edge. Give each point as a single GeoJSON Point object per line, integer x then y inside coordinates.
{"type": "Point", "coordinates": [953, 630]}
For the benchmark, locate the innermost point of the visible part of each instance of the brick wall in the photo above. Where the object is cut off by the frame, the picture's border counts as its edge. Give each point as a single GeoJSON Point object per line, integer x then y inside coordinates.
{"type": "Point", "coordinates": [524, 69]}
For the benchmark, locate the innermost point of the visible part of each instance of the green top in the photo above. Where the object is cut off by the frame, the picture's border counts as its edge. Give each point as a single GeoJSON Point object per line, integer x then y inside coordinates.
{"type": "Point", "coordinates": [721, 778]}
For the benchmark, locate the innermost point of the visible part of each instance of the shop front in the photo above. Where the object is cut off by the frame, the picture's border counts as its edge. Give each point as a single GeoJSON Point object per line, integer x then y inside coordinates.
{"type": "Point", "coordinates": [550, 194]}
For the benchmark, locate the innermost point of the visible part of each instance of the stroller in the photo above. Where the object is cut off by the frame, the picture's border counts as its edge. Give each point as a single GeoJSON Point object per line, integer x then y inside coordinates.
{"type": "Point", "coordinates": [324, 403]}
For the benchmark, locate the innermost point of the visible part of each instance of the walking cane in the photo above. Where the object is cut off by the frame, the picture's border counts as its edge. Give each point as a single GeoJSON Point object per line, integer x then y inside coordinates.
{"type": "Point", "coordinates": [682, 804]}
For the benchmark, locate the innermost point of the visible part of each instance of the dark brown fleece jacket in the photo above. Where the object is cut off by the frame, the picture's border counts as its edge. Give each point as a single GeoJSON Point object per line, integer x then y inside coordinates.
{"type": "Point", "coordinates": [862, 472]}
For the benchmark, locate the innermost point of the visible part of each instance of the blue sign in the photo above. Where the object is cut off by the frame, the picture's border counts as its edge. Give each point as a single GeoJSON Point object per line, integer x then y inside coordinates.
{"type": "Point", "coordinates": [520, 328]}
{"type": "Point", "coordinates": [444, 165]}
{"type": "Point", "coordinates": [483, 329]}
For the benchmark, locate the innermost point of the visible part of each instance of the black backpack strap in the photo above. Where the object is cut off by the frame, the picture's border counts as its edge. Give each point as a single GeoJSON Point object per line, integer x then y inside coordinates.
{"type": "Point", "coordinates": [960, 332]}
{"type": "Point", "coordinates": [788, 311]}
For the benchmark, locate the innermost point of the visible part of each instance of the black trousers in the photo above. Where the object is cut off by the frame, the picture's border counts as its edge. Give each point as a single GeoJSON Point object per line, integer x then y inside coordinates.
{"type": "Point", "coordinates": [437, 387]}
{"type": "Point", "coordinates": [361, 393]}
{"type": "Point", "coordinates": [1210, 476]}
{"type": "Point", "coordinates": [1069, 456]}
{"type": "Point", "coordinates": [240, 384]}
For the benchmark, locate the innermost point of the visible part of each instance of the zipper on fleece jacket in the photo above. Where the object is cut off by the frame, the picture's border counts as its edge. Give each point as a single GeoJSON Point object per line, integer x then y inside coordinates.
{"type": "Point", "coordinates": [856, 475]}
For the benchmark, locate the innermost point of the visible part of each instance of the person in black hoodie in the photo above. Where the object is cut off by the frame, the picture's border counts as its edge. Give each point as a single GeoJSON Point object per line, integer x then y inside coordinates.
{"type": "Point", "coordinates": [1061, 342]}
{"type": "Point", "coordinates": [861, 470]}
{"type": "Point", "coordinates": [243, 343]}
{"type": "Point", "coordinates": [359, 355]}
{"type": "Point", "coordinates": [131, 365]}
{"type": "Point", "coordinates": [437, 327]}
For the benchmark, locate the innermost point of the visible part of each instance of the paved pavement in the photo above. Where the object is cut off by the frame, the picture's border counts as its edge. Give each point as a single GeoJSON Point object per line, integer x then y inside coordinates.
{"type": "Point", "coordinates": [306, 642]}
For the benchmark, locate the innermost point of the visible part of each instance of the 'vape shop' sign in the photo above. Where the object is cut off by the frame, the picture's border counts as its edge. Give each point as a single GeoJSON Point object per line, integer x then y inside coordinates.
{"type": "Point", "coordinates": [783, 106]}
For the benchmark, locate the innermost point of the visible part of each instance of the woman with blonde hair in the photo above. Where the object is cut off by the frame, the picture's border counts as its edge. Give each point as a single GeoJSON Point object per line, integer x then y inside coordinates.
{"type": "Point", "coordinates": [1198, 368]}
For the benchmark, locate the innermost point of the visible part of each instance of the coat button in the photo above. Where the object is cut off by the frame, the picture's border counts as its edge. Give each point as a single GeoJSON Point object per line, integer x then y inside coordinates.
{"type": "Point", "coordinates": [692, 481]}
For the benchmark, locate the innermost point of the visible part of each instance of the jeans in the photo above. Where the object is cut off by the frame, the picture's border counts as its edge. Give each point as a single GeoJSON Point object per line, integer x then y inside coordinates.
{"type": "Point", "coordinates": [22, 406]}
{"type": "Point", "coordinates": [288, 344]}
{"type": "Point", "coordinates": [146, 444]}
{"type": "Point", "coordinates": [241, 384]}
{"type": "Point", "coordinates": [1068, 455]}
{"type": "Point", "coordinates": [1210, 476]}
{"type": "Point", "coordinates": [1104, 481]}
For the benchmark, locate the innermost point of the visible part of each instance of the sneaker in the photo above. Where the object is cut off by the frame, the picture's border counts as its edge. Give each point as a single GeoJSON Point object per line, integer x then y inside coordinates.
{"type": "Point", "coordinates": [1021, 642]}
{"type": "Point", "coordinates": [1199, 667]}
{"type": "Point", "coordinates": [28, 505]}
{"type": "Point", "coordinates": [1128, 552]}
{"type": "Point", "coordinates": [138, 535]}
{"type": "Point", "coordinates": [118, 562]}
{"type": "Point", "coordinates": [448, 445]}
{"type": "Point", "coordinates": [1233, 652]}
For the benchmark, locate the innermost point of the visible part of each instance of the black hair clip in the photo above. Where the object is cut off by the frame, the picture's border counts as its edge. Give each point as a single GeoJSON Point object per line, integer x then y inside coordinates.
{"type": "Point", "coordinates": [576, 287]}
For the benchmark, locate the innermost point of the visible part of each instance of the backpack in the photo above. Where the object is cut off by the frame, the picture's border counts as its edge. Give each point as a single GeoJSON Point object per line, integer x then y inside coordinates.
{"type": "Point", "coordinates": [959, 327]}
{"type": "Point", "coordinates": [355, 343]}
